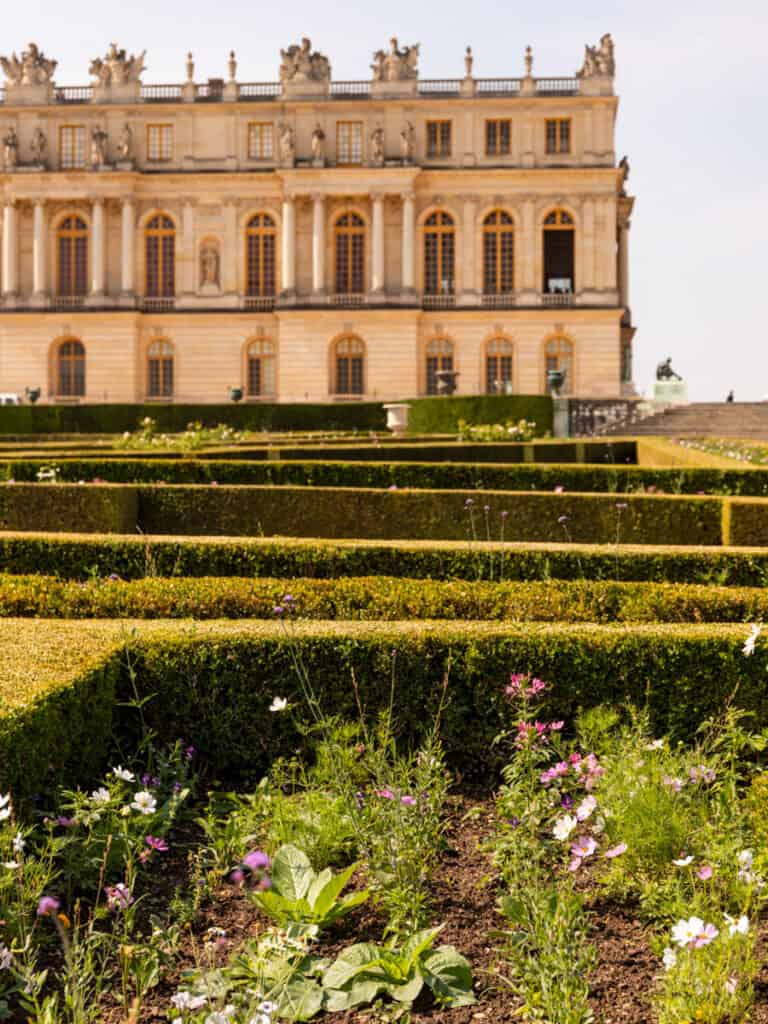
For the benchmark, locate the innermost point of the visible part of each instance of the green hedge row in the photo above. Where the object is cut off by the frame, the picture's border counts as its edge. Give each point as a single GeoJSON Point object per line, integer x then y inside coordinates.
{"type": "Point", "coordinates": [359, 512]}
{"type": "Point", "coordinates": [133, 557]}
{"type": "Point", "coordinates": [382, 598]}
{"type": "Point", "coordinates": [133, 468]}
{"type": "Point", "coordinates": [213, 683]}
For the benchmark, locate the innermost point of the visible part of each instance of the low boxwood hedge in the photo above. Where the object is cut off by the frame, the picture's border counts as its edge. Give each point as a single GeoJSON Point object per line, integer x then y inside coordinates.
{"type": "Point", "coordinates": [212, 683]}
{"type": "Point", "coordinates": [383, 598]}
{"type": "Point", "coordinates": [747, 522]}
{"type": "Point", "coordinates": [104, 508]}
{"type": "Point", "coordinates": [131, 557]}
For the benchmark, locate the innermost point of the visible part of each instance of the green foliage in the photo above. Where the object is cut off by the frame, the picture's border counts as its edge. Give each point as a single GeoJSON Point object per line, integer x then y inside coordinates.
{"type": "Point", "coordinates": [316, 821]}
{"type": "Point", "coordinates": [300, 895]}
{"type": "Point", "coordinates": [509, 430]}
{"type": "Point", "coordinates": [101, 508]}
{"type": "Point", "coordinates": [441, 415]}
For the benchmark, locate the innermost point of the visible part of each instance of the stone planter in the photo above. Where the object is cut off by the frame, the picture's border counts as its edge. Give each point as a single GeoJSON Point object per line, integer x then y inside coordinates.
{"type": "Point", "coordinates": [397, 417]}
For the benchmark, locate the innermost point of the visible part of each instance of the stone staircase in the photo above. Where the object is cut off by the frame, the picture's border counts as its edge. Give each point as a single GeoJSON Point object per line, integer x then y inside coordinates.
{"type": "Point", "coordinates": [702, 419]}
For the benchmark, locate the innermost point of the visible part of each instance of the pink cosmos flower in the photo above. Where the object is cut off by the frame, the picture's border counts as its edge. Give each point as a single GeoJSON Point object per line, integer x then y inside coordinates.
{"type": "Point", "coordinates": [705, 936]}
{"type": "Point", "coordinates": [704, 872]}
{"type": "Point", "coordinates": [156, 844]}
{"type": "Point", "coordinates": [385, 794]}
{"type": "Point", "coordinates": [409, 801]}
{"type": "Point", "coordinates": [584, 846]}
{"type": "Point", "coordinates": [257, 860]}
{"type": "Point", "coordinates": [118, 896]}
{"type": "Point", "coordinates": [616, 851]}
{"type": "Point", "coordinates": [48, 906]}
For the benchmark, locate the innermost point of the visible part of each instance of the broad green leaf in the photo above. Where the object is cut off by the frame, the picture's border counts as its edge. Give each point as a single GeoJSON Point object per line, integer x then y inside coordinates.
{"type": "Point", "coordinates": [300, 999]}
{"type": "Point", "coordinates": [325, 889]}
{"type": "Point", "coordinates": [357, 993]}
{"type": "Point", "coordinates": [449, 976]}
{"type": "Point", "coordinates": [421, 941]}
{"type": "Point", "coordinates": [319, 882]}
{"type": "Point", "coordinates": [291, 872]}
{"type": "Point", "coordinates": [408, 992]}
{"type": "Point", "coordinates": [513, 909]}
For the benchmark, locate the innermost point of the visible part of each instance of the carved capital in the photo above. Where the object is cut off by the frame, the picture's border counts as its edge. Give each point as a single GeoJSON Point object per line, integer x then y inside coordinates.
{"type": "Point", "coordinates": [408, 197]}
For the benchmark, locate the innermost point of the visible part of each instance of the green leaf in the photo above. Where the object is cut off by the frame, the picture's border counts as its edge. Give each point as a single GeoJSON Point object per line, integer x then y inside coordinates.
{"type": "Point", "coordinates": [291, 873]}
{"type": "Point", "coordinates": [361, 957]}
{"type": "Point", "coordinates": [407, 992]}
{"type": "Point", "coordinates": [357, 993]}
{"type": "Point", "coordinates": [421, 941]}
{"type": "Point", "coordinates": [326, 887]}
{"type": "Point", "coordinates": [299, 999]}
{"type": "Point", "coordinates": [449, 976]}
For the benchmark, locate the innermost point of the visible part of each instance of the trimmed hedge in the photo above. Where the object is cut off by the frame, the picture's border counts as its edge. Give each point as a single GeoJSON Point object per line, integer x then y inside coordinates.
{"type": "Point", "coordinates": [519, 476]}
{"type": "Point", "coordinates": [378, 598]}
{"type": "Point", "coordinates": [442, 414]}
{"type": "Point", "coordinates": [213, 683]}
{"type": "Point", "coordinates": [104, 508]}
{"type": "Point", "coordinates": [131, 557]}
{"type": "Point", "coordinates": [747, 522]}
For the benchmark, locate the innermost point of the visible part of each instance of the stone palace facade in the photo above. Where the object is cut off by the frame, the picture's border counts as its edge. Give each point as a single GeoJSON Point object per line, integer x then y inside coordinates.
{"type": "Point", "coordinates": [309, 239]}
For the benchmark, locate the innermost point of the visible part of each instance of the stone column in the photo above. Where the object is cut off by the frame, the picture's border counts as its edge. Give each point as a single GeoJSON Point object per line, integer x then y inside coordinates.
{"type": "Point", "coordinates": [97, 249]}
{"type": "Point", "coordinates": [38, 254]}
{"type": "Point", "coordinates": [288, 283]}
{"type": "Point", "coordinates": [469, 296]}
{"type": "Point", "coordinates": [10, 253]}
{"type": "Point", "coordinates": [377, 254]}
{"type": "Point", "coordinates": [127, 269]}
{"type": "Point", "coordinates": [526, 255]}
{"type": "Point", "coordinates": [408, 247]}
{"type": "Point", "coordinates": [318, 245]}
{"type": "Point", "coordinates": [188, 260]}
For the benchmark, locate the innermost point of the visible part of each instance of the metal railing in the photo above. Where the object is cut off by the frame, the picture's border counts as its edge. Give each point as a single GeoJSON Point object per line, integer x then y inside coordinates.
{"type": "Point", "coordinates": [505, 300]}
{"type": "Point", "coordinates": [162, 93]}
{"type": "Point", "coordinates": [67, 302]}
{"type": "Point", "coordinates": [74, 94]}
{"type": "Point", "coordinates": [557, 299]}
{"type": "Point", "coordinates": [156, 305]}
{"type": "Point", "coordinates": [260, 303]}
{"type": "Point", "coordinates": [438, 301]}
{"type": "Point", "coordinates": [353, 300]}
{"type": "Point", "coordinates": [440, 86]}
{"type": "Point", "coordinates": [259, 90]}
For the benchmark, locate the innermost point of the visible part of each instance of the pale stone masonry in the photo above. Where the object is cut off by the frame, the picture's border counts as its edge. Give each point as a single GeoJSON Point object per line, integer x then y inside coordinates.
{"type": "Point", "coordinates": [309, 239]}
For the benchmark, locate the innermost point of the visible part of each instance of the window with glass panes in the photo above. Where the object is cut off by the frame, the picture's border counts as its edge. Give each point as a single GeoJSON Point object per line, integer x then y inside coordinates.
{"type": "Point", "coordinates": [72, 146]}
{"type": "Point", "coordinates": [439, 357]}
{"type": "Point", "coordinates": [160, 257]}
{"type": "Point", "coordinates": [160, 370]}
{"type": "Point", "coordinates": [498, 366]}
{"type": "Point", "coordinates": [260, 242]}
{"type": "Point", "coordinates": [261, 137]}
{"type": "Point", "coordinates": [72, 261]}
{"type": "Point", "coordinates": [558, 132]}
{"type": "Point", "coordinates": [498, 137]}
{"type": "Point", "coordinates": [349, 239]}
{"type": "Point", "coordinates": [439, 254]}
{"type": "Point", "coordinates": [349, 142]}
{"type": "Point", "coordinates": [438, 138]}
{"type": "Point", "coordinates": [498, 253]}
{"type": "Point", "coordinates": [261, 368]}
{"type": "Point", "coordinates": [349, 359]}
{"type": "Point", "coordinates": [159, 142]}
{"type": "Point", "coordinates": [70, 370]}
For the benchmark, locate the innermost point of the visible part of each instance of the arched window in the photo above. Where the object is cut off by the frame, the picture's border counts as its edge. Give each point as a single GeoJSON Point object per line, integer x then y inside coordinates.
{"type": "Point", "coordinates": [558, 253]}
{"type": "Point", "coordinates": [349, 243]}
{"type": "Point", "coordinates": [260, 368]}
{"type": "Point", "coordinates": [439, 357]}
{"type": "Point", "coordinates": [349, 367]}
{"type": "Point", "coordinates": [70, 369]}
{"type": "Point", "coordinates": [498, 253]}
{"type": "Point", "coordinates": [558, 355]}
{"type": "Point", "coordinates": [72, 262]}
{"type": "Point", "coordinates": [498, 366]}
{"type": "Point", "coordinates": [260, 242]}
{"type": "Point", "coordinates": [439, 254]}
{"type": "Point", "coordinates": [160, 370]}
{"type": "Point", "coordinates": [160, 257]}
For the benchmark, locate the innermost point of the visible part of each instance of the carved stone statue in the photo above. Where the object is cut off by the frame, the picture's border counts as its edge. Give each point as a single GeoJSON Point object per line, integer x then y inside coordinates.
{"type": "Point", "coordinates": [624, 168]}
{"type": "Point", "coordinates": [396, 65]}
{"type": "Point", "coordinates": [38, 146]}
{"type": "Point", "coordinates": [318, 146]}
{"type": "Point", "coordinates": [98, 148]}
{"type": "Point", "coordinates": [125, 144]}
{"type": "Point", "coordinates": [31, 68]}
{"type": "Point", "coordinates": [301, 64]}
{"type": "Point", "coordinates": [407, 142]}
{"type": "Point", "coordinates": [209, 267]}
{"type": "Point", "coordinates": [598, 60]}
{"type": "Point", "coordinates": [10, 149]}
{"type": "Point", "coordinates": [117, 68]}
{"type": "Point", "coordinates": [377, 146]}
{"type": "Point", "coordinates": [287, 145]}
{"type": "Point", "coordinates": [664, 371]}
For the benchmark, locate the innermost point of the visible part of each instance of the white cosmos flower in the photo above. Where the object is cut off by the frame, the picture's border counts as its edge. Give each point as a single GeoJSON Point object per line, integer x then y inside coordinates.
{"type": "Point", "coordinates": [585, 808]}
{"type": "Point", "coordinates": [278, 704]}
{"type": "Point", "coordinates": [685, 932]}
{"type": "Point", "coordinates": [11, 865]}
{"type": "Point", "coordinates": [18, 843]}
{"type": "Point", "coordinates": [186, 1001]}
{"type": "Point", "coordinates": [683, 862]}
{"type": "Point", "coordinates": [123, 774]}
{"type": "Point", "coordinates": [101, 795]}
{"type": "Point", "coordinates": [737, 927]}
{"type": "Point", "coordinates": [221, 1016]}
{"type": "Point", "coordinates": [5, 957]}
{"type": "Point", "coordinates": [654, 745]}
{"type": "Point", "coordinates": [751, 641]}
{"type": "Point", "coordinates": [669, 959]}
{"type": "Point", "coordinates": [144, 802]}
{"type": "Point", "coordinates": [564, 826]}
{"type": "Point", "coordinates": [745, 859]}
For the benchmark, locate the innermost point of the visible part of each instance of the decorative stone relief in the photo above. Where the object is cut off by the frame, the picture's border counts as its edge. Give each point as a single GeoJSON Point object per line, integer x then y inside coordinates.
{"type": "Point", "coordinates": [396, 65]}
{"type": "Point", "coordinates": [118, 76]}
{"type": "Point", "coordinates": [31, 68]}
{"type": "Point", "coordinates": [304, 71]}
{"type": "Point", "coordinates": [598, 60]}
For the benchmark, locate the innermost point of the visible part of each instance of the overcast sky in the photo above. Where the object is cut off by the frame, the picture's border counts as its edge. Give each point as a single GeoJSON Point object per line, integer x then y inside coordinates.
{"type": "Point", "coordinates": [693, 82]}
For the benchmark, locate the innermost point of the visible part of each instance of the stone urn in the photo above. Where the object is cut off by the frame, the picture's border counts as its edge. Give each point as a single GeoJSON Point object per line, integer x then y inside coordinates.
{"type": "Point", "coordinates": [397, 417]}
{"type": "Point", "coordinates": [236, 394]}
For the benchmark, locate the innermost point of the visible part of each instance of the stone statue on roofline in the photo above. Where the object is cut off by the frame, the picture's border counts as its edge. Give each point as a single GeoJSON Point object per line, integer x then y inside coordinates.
{"type": "Point", "coordinates": [664, 371]}
{"type": "Point", "coordinates": [300, 63]}
{"type": "Point", "coordinates": [395, 64]}
{"type": "Point", "coordinates": [117, 68]}
{"type": "Point", "coordinates": [31, 68]}
{"type": "Point", "coordinates": [598, 60]}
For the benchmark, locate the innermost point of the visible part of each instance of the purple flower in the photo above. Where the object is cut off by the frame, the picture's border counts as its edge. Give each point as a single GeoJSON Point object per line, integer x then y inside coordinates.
{"type": "Point", "coordinates": [65, 822]}
{"type": "Point", "coordinates": [256, 860]}
{"type": "Point", "coordinates": [288, 599]}
{"type": "Point", "coordinates": [562, 520]}
{"type": "Point", "coordinates": [616, 851]}
{"type": "Point", "coordinates": [278, 609]}
{"type": "Point", "coordinates": [359, 800]}
{"type": "Point", "coordinates": [704, 872]}
{"type": "Point", "coordinates": [385, 794]}
{"type": "Point", "coordinates": [567, 802]}
{"type": "Point", "coordinates": [486, 508]}
{"type": "Point", "coordinates": [468, 503]}
{"type": "Point", "coordinates": [237, 877]}
{"type": "Point", "coordinates": [392, 487]}
{"type": "Point", "coordinates": [190, 752]}
{"type": "Point", "coordinates": [514, 821]}
{"type": "Point", "coordinates": [504, 514]}
{"type": "Point", "coordinates": [149, 781]}
{"type": "Point", "coordinates": [409, 801]}
{"type": "Point", "coordinates": [156, 844]}
{"type": "Point", "coordinates": [118, 896]}
{"type": "Point", "coordinates": [620, 505]}
{"type": "Point", "coordinates": [113, 576]}
{"type": "Point", "coordinates": [48, 906]}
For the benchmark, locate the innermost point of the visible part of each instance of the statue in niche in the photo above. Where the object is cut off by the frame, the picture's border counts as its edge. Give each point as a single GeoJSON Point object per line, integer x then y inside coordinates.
{"type": "Point", "coordinates": [209, 267]}
{"type": "Point", "coordinates": [287, 145]}
{"type": "Point", "coordinates": [407, 143]}
{"type": "Point", "coordinates": [377, 147]}
{"type": "Point", "coordinates": [38, 146]}
{"type": "Point", "coordinates": [598, 60]}
{"type": "Point", "coordinates": [396, 65]}
{"type": "Point", "coordinates": [10, 149]}
{"type": "Point", "coordinates": [318, 146]}
{"type": "Point", "coordinates": [302, 64]}
{"type": "Point", "coordinates": [32, 68]}
{"type": "Point", "coordinates": [125, 144]}
{"type": "Point", "coordinates": [117, 68]}
{"type": "Point", "coordinates": [98, 148]}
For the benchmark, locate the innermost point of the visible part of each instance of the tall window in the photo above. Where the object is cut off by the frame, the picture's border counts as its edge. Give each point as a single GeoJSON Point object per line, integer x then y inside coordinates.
{"type": "Point", "coordinates": [160, 257]}
{"type": "Point", "coordinates": [498, 137]}
{"type": "Point", "coordinates": [159, 142]}
{"type": "Point", "coordinates": [498, 366]}
{"type": "Point", "coordinates": [72, 145]}
{"type": "Point", "coordinates": [260, 241]}
{"type": "Point", "coordinates": [558, 253]}
{"type": "Point", "coordinates": [72, 263]}
{"type": "Point", "coordinates": [348, 367]}
{"type": "Point", "coordinates": [261, 368]}
{"type": "Point", "coordinates": [439, 254]}
{"type": "Point", "coordinates": [261, 141]}
{"type": "Point", "coordinates": [498, 253]}
{"type": "Point", "coordinates": [558, 355]}
{"type": "Point", "coordinates": [438, 138]}
{"type": "Point", "coordinates": [70, 369]}
{"type": "Point", "coordinates": [439, 357]}
{"type": "Point", "coordinates": [349, 142]}
{"type": "Point", "coordinates": [349, 237]}
{"type": "Point", "coordinates": [558, 135]}
{"type": "Point", "coordinates": [160, 370]}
